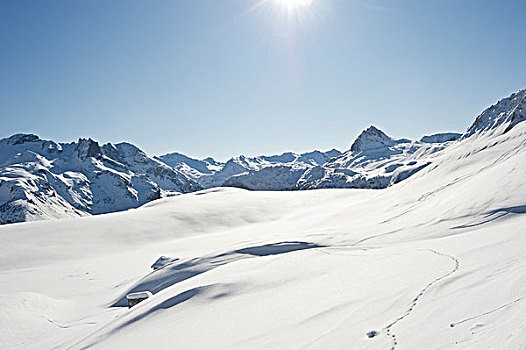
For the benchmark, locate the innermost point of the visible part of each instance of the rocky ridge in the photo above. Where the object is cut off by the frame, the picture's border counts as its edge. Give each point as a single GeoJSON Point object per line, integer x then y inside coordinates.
{"type": "Point", "coordinates": [42, 179]}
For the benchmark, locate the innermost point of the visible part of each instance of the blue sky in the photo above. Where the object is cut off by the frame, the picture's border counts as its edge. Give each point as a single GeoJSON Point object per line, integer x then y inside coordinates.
{"type": "Point", "coordinates": [230, 77]}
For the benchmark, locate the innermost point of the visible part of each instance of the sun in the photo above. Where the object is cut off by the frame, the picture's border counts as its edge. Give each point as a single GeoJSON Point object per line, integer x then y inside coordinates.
{"type": "Point", "coordinates": [286, 18]}
{"type": "Point", "coordinates": [293, 5]}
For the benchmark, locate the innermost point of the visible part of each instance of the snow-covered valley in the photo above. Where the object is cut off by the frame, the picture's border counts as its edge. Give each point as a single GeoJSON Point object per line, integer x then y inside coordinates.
{"type": "Point", "coordinates": [42, 179]}
{"type": "Point", "coordinates": [435, 261]}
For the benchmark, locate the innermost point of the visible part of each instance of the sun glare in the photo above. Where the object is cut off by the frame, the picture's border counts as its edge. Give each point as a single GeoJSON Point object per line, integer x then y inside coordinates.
{"type": "Point", "coordinates": [285, 18]}
{"type": "Point", "coordinates": [292, 5]}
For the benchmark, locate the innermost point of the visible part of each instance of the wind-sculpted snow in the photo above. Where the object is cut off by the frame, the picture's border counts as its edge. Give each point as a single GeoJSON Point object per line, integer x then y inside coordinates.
{"type": "Point", "coordinates": [176, 272]}
{"type": "Point", "coordinates": [435, 262]}
{"type": "Point", "coordinates": [42, 179]}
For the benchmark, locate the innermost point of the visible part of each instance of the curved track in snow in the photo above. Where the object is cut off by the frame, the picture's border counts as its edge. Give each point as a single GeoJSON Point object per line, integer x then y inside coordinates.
{"type": "Point", "coordinates": [416, 299]}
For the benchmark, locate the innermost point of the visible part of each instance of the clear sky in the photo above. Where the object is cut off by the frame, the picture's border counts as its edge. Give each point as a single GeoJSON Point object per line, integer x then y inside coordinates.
{"type": "Point", "coordinates": [230, 77]}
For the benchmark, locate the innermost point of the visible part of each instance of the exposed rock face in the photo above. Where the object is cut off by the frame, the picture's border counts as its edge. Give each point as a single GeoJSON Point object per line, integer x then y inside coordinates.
{"type": "Point", "coordinates": [374, 161]}
{"type": "Point", "coordinates": [442, 137]}
{"type": "Point", "coordinates": [41, 179]}
{"type": "Point", "coordinates": [87, 148]}
{"type": "Point", "coordinates": [503, 115]}
{"type": "Point", "coordinates": [371, 138]}
{"type": "Point", "coordinates": [273, 178]}
{"type": "Point", "coordinates": [19, 139]}
{"type": "Point", "coordinates": [175, 160]}
{"type": "Point", "coordinates": [210, 173]}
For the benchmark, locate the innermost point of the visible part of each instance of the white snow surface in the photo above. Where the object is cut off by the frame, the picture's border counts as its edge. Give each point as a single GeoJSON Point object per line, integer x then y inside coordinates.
{"type": "Point", "coordinates": [41, 179]}
{"type": "Point", "coordinates": [139, 295]}
{"type": "Point", "coordinates": [433, 262]}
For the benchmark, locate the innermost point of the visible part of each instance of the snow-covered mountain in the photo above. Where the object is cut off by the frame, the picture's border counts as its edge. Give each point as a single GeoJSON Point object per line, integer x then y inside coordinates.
{"type": "Point", "coordinates": [374, 160]}
{"type": "Point", "coordinates": [210, 173]}
{"type": "Point", "coordinates": [193, 168]}
{"type": "Point", "coordinates": [42, 179]}
{"type": "Point", "coordinates": [504, 115]}
{"type": "Point", "coordinates": [372, 139]}
{"type": "Point", "coordinates": [434, 262]}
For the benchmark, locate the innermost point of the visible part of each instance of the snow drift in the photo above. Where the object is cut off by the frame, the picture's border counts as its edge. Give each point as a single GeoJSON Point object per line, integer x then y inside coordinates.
{"type": "Point", "coordinates": [433, 262]}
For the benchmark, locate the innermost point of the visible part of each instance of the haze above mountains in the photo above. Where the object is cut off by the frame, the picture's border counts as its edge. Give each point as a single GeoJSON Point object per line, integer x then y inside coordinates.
{"type": "Point", "coordinates": [43, 179]}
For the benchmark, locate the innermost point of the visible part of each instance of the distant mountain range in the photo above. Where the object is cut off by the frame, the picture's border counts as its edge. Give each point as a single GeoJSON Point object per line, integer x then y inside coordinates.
{"type": "Point", "coordinates": [42, 179]}
{"type": "Point", "coordinates": [210, 173]}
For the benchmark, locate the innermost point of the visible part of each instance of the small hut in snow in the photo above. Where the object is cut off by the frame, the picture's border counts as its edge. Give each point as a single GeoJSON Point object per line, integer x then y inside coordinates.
{"type": "Point", "coordinates": [136, 298]}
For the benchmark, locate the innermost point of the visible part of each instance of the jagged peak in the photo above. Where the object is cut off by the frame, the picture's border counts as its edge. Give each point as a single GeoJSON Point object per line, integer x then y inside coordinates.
{"type": "Point", "coordinates": [241, 159]}
{"type": "Point", "coordinates": [88, 148]}
{"type": "Point", "coordinates": [508, 111]}
{"type": "Point", "coordinates": [311, 153]}
{"type": "Point", "coordinates": [371, 138]}
{"type": "Point", "coordinates": [211, 160]}
{"type": "Point", "coordinates": [333, 153]}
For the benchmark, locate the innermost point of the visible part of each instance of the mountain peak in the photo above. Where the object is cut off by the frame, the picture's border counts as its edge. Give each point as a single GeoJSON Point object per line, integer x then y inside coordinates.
{"type": "Point", "coordinates": [19, 139]}
{"type": "Point", "coordinates": [129, 150]}
{"type": "Point", "coordinates": [211, 161]}
{"type": "Point", "coordinates": [510, 110]}
{"type": "Point", "coordinates": [88, 148]}
{"type": "Point", "coordinates": [371, 138]}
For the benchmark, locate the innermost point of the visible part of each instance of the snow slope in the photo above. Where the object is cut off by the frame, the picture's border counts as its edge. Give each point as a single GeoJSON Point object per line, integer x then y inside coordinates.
{"type": "Point", "coordinates": [41, 179]}
{"type": "Point", "coordinates": [508, 112]}
{"type": "Point", "coordinates": [434, 262]}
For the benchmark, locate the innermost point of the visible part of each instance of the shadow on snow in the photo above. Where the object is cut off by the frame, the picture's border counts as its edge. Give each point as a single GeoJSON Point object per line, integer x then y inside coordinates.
{"type": "Point", "coordinates": [177, 272]}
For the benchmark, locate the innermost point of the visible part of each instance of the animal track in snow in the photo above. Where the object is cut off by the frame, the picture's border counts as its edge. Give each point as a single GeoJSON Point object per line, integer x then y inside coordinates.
{"type": "Point", "coordinates": [388, 328]}
{"type": "Point", "coordinates": [488, 312]}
